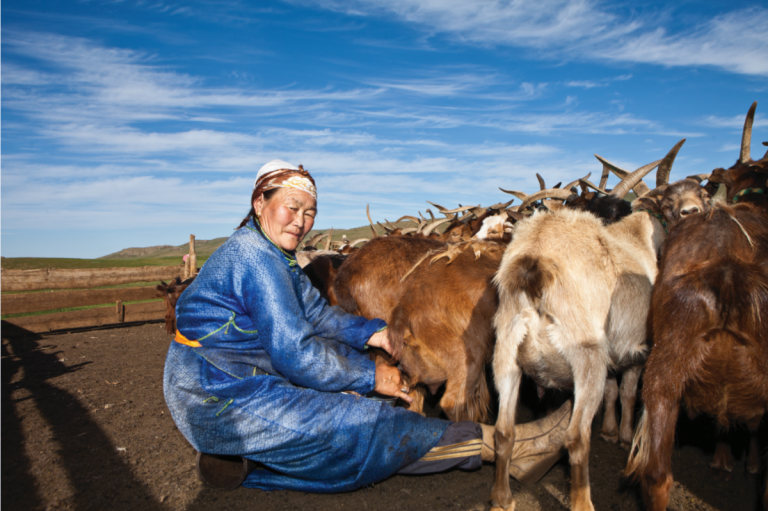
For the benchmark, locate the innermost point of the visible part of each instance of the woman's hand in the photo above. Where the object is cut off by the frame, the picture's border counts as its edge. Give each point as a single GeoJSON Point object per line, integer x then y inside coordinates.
{"type": "Point", "coordinates": [381, 340]}
{"type": "Point", "coordinates": [389, 382]}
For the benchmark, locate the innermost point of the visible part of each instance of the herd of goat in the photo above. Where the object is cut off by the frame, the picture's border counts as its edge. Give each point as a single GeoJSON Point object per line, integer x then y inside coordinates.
{"type": "Point", "coordinates": [578, 289]}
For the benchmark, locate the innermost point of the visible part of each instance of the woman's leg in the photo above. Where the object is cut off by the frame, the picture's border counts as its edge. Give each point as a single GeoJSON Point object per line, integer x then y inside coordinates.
{"type": "Point", "coordinates": [465, 445]}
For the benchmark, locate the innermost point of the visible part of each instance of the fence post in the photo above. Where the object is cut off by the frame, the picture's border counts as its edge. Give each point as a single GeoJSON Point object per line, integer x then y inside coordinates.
{"type": "Point", "coordinates": [192, 256]}
{"type": "Point", "coordinates": [120, 309]}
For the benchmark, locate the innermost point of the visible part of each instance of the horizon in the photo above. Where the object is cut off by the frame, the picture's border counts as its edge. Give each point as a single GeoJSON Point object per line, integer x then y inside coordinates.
{"type": "Point", "coordinates": [133, 124]}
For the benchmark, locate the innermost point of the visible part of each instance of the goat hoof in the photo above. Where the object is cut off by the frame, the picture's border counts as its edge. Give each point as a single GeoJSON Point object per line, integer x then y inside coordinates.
{"type": "Point", "coordinates": [626, 445]}
{"type": "Point", "coordinates": [611, 438]}
{"type": "Point", "coordinates": [499, 508]}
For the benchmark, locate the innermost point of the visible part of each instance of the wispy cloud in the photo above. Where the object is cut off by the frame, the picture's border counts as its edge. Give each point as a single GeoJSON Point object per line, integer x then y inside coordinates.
{"type": "Point", "coordinates": [587, 29]}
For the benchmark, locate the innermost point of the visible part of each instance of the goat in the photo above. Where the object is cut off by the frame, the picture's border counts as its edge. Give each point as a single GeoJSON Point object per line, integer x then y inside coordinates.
{"type": "Point", "coordinates": [710, 343]}
{"type": "Point", "coordinates": [573, 296]}
{"type": "Point", "coordinates": [170, 294]}
{"type": "Point", "coordinates": [718, 357]}
{"type": "Point", "coordinates": [441, 326]}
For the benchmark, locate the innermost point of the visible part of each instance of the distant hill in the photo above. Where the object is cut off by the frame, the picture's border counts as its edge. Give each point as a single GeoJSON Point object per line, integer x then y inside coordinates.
{"type": "Point", "coordinates": [204, 248]}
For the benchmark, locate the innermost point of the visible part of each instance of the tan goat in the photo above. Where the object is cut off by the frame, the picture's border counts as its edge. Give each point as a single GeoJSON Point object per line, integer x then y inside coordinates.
{"type": "Point", "coordinates": [573, 301]}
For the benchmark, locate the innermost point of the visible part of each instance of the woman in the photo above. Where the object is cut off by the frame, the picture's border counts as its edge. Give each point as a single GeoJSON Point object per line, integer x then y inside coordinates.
{"type": "Point", "coordinates": [263, 368]}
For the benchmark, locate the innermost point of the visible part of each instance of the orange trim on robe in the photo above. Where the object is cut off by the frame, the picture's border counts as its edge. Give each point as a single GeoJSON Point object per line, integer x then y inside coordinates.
{"type": "Point", "coordinates": [183, 340]}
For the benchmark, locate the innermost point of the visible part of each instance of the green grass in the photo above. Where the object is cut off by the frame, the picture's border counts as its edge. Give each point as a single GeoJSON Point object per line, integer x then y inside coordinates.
{"type": "Point", "coordinates": [36, 263]}
{"type": "Point", "coordinates": [68, 309]}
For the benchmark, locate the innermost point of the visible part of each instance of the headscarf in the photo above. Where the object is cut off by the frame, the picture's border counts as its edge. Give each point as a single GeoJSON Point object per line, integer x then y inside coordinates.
{"type": "Point", "coordinates": [281, 174]}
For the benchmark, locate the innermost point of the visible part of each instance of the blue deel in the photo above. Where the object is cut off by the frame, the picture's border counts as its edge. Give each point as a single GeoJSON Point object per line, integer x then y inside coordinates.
{"type": "Point", "coordinates": [253, 312]}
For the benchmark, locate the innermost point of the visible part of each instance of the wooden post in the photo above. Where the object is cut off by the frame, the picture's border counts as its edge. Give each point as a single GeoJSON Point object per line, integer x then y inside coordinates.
{"type": "Point", "coordinates": [192, 256]}
{"type": "Point", "coordinates": [186, 269]}
{"type": "Point", "coordinates": [120, 311]}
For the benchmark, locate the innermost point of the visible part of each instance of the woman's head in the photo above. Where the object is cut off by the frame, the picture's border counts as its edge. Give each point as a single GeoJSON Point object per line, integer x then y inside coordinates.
{"type": "Point", "coordinates": [284, 202]}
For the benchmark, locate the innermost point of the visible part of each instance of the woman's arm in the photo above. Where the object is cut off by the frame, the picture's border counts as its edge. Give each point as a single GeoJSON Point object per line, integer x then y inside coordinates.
{"type": "Point", "coordinates": [333, 322]}
{"type": "Point", "coordinates": [304, 355]}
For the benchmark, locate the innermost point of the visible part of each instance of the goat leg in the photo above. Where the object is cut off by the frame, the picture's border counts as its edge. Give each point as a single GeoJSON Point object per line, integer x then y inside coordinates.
{"type": "Point", "coordinates": [628, 397]}
{"type": "Point", "coordinates": [753, 456]}
{"type": "Point", "coordinates": [507, 375]}
{"type": "Point", "coordinates": [610, 431]}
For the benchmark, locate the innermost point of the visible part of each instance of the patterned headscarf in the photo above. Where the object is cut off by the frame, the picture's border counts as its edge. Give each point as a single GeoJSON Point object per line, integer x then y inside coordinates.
{"type": "Point", "coordinates": [281, 174]}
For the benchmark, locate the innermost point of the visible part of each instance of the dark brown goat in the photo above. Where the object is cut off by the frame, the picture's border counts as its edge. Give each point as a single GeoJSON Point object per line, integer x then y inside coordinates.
{"type": "Point", "coordinates": [710, 341]}
{"type": "Point", "coordinates": [170, 294]}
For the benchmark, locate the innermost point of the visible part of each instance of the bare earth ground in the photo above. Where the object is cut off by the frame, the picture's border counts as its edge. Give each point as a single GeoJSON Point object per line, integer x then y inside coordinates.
{"type": "Point", "coordinates": [85, 426]}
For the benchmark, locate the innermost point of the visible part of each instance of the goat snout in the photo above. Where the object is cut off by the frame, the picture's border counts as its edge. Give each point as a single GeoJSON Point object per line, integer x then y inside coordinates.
{"type": "Point", "coordinates": [690, 211]}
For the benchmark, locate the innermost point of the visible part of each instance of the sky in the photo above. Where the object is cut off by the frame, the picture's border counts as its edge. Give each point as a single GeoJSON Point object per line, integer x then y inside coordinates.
{"type": "Point", "coordinates": [135, 123]}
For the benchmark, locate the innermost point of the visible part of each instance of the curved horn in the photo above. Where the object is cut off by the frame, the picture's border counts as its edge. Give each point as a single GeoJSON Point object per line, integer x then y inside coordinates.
{"type": "Point", "coordinates": [656, 192]}
{"type": "Point", "coordinates": [589, 184]}
{"type": "Point", "coordinates": [393, 227]}
{"type": "Point", "coordinates": [501, 205]}
{"type": "Point", "coordinates": [519, 195]}
{"type": "Point", "coordinates": [665, 167]}
{"type": "Point", "coordinates": [407, 217]}
{"type": "Point", "coordinates": [440, 208]}
{"type": "Point", "coordinates": [640, 187]}
{"type": "Point", "coordinates": [407, 230]}
{"type": "Point", "coordinates": [542, 186]}
{"type": "Point", "coordinates": [604, 176]}
{"type": "Point", "coordinates": [574, 183]}
{"type": "Point", "coordinates": [361, 240]}
{"type": "Point", "coordinates": [552, 193]}
{"type": "Point", "coordinates": [632, 180]}
{"type": "Point", "coordinates": [458, 210]}
{"type": "Point", "coordinates": [328, 241]}
{"type": "Point", "coordinates": [386, 229]}
{"type": "Point", "coordinates": [368, 212]}
{"type": "Point", "coordinates": [315, 240]}
{"type": "Point", "coordinates": [431, 227]}
{"type": "Point", "coordinates": [421, 226]}
{"type": "Point", "coordinates": [430, 214]}
{"type": "Point", "coordinates": [746, 136]}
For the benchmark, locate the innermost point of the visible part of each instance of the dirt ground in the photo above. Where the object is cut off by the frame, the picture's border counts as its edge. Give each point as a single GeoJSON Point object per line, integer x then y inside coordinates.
{"type": "Point", "coordinates": [85, 426]}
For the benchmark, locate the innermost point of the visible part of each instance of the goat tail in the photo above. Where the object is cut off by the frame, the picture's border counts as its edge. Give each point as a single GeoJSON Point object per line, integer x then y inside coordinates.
{"type": "Point", "coordinates": [640, 452]}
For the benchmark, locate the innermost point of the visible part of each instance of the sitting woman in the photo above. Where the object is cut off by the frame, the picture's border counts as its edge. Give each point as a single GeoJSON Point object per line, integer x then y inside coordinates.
{"type": "Point", "coordinates": [264, 369]}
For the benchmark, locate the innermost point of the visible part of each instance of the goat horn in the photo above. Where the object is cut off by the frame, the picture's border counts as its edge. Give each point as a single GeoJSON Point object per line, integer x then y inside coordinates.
{"type": "Point", "coordinates": [421, 216]}
{"type": "Point", "coordinates": [361, 240]}
{"type": "Point", "coordinates": [421, 226]}
{"type": "Point", "coordinates": [574, 183]}
{"type": "Point", "coordinates": [665, 167]}
{"type": "Point", "coordinates": [459, 210]}
{"type": "Point", "coordinates": [328, 241]}
{"type": "Point", "coordinates": [368, 212]}
{"type": "Point", "coordinates": [721, 195]}
{"type": "Point", "coordinates": [440, 208]}
{"type": "Point", "coordinates": [407, 217]}
{"type": "Point", "coordinates": [589, 184]}
{"type": "Point", "coordinates": [632, 180]}
{"type": "Point", "coordinates": [640, 187]}
{"type": "Point", "coordinates": [468, 214]}
{"type": "Point", "coordinates": [393, 227]}
{"type": "Point", "coordinates": [407, 230]}
{"type": "Point", "coordinates": [386, 229]}
{"type": "Point", "coordinates": [746, 136]}
{"type": "Point", "coordinates": [430, 214]}
{"type": "Point", "coordinates": [542, 186]}
{"type": "Point", "coordinates": [314, 240]}
{"type": "Point", "coordinates": [501, 205]}
{"type": "Point", "coordinates": [605, 175]}
{"type": "Point", "coordinates": [431, 227]}
{"type": "Point", "coordinates": [519, 195]}
{"type": "Point", "coordinates": [552, 193]}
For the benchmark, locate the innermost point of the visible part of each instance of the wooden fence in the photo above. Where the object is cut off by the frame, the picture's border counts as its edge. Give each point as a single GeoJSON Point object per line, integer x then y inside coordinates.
{"type": "Point", "coordinates": [73, 282]}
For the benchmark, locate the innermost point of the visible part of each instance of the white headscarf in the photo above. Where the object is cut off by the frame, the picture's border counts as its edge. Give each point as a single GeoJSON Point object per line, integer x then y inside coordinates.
{"type": "Point", "coordinates": [296, 182]}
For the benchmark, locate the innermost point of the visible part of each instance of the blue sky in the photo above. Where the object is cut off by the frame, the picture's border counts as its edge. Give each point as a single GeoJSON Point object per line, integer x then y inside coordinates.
{"type": "Point", "coordinates": [136, 123]}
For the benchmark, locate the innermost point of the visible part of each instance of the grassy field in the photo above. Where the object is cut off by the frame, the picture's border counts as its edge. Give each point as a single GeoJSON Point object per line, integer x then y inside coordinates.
{"type": "Point", "coordinates": [35, 263]}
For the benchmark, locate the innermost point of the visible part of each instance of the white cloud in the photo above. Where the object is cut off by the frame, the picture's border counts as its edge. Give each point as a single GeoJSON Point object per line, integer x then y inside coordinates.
{"type": "Point", "coordinates": [586, 29]}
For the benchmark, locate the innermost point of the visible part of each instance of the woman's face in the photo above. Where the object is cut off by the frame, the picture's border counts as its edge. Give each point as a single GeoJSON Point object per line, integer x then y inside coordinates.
{"type": "Point", "coordinates": [287, 217]}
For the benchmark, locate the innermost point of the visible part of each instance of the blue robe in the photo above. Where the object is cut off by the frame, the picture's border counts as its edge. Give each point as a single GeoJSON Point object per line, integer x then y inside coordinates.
{"type": "Point", "coordinates": [266, 379]}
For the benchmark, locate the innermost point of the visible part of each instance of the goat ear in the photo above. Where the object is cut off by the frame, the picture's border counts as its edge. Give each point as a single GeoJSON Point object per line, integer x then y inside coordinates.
{"type": "Point", "coordinates": [649, 204]}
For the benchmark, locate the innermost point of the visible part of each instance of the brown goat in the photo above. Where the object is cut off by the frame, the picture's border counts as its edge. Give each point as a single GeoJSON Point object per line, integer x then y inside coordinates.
{"type": "Point", "coordinates": [710, 340]}
{"type": "Point", "coordinates": [170, 294]}
{"type": "Point", "coordinates": [442, 326]}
